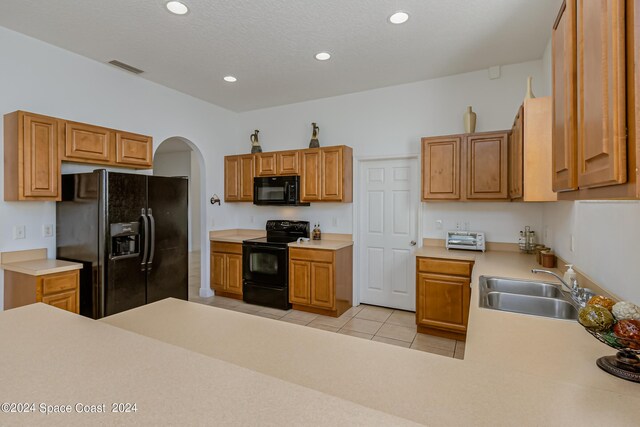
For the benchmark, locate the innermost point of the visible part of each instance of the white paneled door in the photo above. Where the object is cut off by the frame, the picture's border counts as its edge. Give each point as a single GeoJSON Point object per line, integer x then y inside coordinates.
{"type": "Point", "coordinates": [388, 226]}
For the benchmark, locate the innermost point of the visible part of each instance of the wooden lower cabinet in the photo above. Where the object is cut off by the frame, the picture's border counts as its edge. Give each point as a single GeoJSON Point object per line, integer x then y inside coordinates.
{"type": "Point", "coordinates": [320, 281]}
{"type": "Point", "coordinates": [443, 294]}
{"type": "Point", "coordinates": [61, 290]}
{"type": "Point", "coordinates": [226, 269]}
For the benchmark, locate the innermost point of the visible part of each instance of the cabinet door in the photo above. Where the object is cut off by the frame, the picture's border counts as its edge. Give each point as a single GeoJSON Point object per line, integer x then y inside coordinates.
{"type": "Point", "coordinates": [516, 156]}
{"type": "Point", "coordinates": [217, 271]}
{"type": "Point", "coordinates": [65, 300]}
{"type": "Point", "coordinates": [233, 267]}
{"type": "Point", "coordinates": [86, 142]}
{"type": "Point", "coordinates": [41, 165]}
{"type": "Point", "coordinates": [246, 178]}
{"type": "Point", "coordinates": [287, 163]}
{"type": "Point", "coordinates": [602, 133]}
{"type": "Point", "coordinates": [331, 173]}
{"type": "Point", "coordinates": [265, 164]}
{"type": "Point", "coordinates": [564, 116]}
{"type": "Point", "coordinates": [134, 150]}
{"type": "Point", "coordinates": [311, 176]}
{"type": "Point", "coordinates": [299, 282]}
{"type": "Point", "coordinates": [322, 285]}
{"type": "Point", "coordinates": [231, 179]}
{"type": "Point", "coordinates": [487, 166]}
{"type": "Point", "coordinates": [443, 302]}
{"type": "Point", "coordinates": [441, 168]}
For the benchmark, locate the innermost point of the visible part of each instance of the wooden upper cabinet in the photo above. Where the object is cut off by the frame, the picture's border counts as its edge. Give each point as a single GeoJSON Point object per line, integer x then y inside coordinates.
{"type": "Point", "coordinates": [564, 110]}
{"type": "Point", "coordinates": [602, 137]}
{"type": "Point", "coordinates": [288, 163]}
{"type": "Point", "coordinates": [516, 145]}
{"type": "Point", "coordinates": [310, 180]}
{"type": "Point", "coordinates": [87, 143]}
{"type": "Point", "coordinates": [31, 158]}
{"type": "Point", "coordinates": [134, 150]}
{"type": "Point", "coordinates": [232, 179]}
{"type": "Point", "coordinates": [265, 164]}
{"type": "Point", "coordinates": [441, 168]}
{"type": "Point", "coordinates": [246, 177]}
{"type": "Point", "coordinates": [487, 166]}
{"type": "Point", "coordinates": [332, 174]}
{"type": "Point", "coordinates": [238, 178]}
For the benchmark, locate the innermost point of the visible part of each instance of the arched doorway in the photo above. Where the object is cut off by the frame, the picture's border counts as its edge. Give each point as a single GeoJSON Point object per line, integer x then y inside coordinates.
{"type": "Point", "coordinates": [177, 156]}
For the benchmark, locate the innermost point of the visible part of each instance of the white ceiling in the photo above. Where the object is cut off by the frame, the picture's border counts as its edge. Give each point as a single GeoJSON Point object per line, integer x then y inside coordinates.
{"type": "Point", "coordinates": [269, 45]}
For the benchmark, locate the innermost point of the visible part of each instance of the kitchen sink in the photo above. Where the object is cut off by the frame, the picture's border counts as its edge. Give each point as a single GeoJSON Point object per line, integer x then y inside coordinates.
{"type": "Point", "coordinates": [522, 287]}
{"type": "Point", "coordinates": [526, 297]}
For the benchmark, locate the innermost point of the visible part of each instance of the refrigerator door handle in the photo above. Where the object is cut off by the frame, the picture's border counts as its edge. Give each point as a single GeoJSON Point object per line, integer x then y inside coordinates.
{"type": "Point", "coordinates": [152, 239]}
{"type": "Point", "coordinates": [145, 244]}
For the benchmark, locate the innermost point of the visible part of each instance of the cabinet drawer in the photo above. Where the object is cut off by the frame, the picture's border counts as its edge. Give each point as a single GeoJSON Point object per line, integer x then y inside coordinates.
{"type": "Point", "coordinates": [311, 255]}
{"type": "Point", "coordinates": [59, 282]}
{"type": "Point", "coordinates": [65, 300]}
{"type": "Point", "coordinates": [227, 248]}
{"type": "Point", "coordinates": [442, 266]}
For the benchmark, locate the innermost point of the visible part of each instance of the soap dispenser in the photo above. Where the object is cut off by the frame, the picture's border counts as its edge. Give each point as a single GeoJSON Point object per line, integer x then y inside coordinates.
{"type": "Point", "coordinates": [570, 274]}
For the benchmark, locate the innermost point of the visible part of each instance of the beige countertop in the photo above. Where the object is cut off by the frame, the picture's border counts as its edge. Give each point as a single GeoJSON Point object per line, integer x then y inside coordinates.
{"type": "Point", "coordinates": [330, 245]}
{"type": "Point", "coordinates": [235, 235]}
{"type": "Point", "coordinates": [54, 357]}
{"type": "Point", "coordinates": [41, 267]}
{"type": "Point", "coordinates": [517, 369]}
{"type": "Point", "coordinates": [333, 242]}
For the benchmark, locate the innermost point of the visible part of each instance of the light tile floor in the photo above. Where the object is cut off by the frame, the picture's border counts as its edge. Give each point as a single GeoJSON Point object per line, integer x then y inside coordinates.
{"type": "Point", "coordinates": [396, 327]}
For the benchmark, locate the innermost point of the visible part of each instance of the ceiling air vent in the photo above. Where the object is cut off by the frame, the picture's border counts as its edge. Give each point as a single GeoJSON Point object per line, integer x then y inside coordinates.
{"type": "Point", "coordinates": [126, 67]}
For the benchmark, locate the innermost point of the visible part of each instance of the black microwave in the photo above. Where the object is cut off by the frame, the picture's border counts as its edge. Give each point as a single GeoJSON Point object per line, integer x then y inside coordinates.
{"type": "Point", "coordinates": [277, 190]}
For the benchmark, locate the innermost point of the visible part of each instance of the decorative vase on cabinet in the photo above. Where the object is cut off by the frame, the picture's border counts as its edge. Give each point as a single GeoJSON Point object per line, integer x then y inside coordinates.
{"type": "Point", "coordinates": [469, 121]}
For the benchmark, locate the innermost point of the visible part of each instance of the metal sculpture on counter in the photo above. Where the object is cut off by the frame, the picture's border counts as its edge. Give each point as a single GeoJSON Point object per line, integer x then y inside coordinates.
{"type": "Point", "coordinates": [314, 143]}
{"type": "Point", "coordinates": [255, 143]}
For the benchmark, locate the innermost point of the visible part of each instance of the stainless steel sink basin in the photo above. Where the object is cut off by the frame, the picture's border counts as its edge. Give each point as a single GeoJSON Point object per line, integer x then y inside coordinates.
{"type": "Point", "coordinates": [538, 306]}
{"type": "Point", "coordinates": [526, 297]}
{"type": "Point", "coordinates": [522, 287]}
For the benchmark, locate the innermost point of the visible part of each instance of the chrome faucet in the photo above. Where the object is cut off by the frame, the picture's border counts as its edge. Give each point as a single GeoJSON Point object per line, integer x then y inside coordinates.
{"type": "Point", "coordinates": [578, 294]}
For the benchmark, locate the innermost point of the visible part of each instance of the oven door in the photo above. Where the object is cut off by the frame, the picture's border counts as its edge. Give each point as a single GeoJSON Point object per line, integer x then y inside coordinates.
{"type": "Point", "coordinates": [265, 265]}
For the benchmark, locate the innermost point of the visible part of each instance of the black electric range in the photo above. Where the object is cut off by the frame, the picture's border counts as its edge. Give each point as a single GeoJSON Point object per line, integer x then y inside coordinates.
{"type": "Point", "coordinates": [265, 264]}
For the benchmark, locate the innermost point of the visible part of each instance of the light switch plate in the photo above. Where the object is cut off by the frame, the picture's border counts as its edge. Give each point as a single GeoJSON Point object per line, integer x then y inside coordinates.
{"type": "Point", "coordinates": [19, 232]}
{"type": "Point", "coordinates": [47, 230]}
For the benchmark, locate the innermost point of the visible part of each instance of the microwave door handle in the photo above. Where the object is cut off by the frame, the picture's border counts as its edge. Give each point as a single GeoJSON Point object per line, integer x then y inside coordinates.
{"type": "Point", "coordinates": [152, 239]}
{"type": "Point", "coordinates": [145, 243]}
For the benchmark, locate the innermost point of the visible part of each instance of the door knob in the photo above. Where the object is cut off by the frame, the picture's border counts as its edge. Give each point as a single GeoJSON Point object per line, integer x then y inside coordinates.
{"type": "Point", "coordinates": [413, 243]}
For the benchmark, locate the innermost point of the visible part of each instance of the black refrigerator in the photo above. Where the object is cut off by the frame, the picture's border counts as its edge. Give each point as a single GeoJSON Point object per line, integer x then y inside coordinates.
{"type": "Point", "coordinates": [130, 233]}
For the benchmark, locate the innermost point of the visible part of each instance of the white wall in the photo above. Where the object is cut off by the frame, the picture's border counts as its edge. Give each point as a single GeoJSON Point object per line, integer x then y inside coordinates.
{"type": "Point", "coordinates": [45, 79]}
{"type": "Point", "coordinates": [391, 121]}
{"type": "Point", "coordinates": [605, 236]}
{"type": "Point", "coordinates": [177, 163]}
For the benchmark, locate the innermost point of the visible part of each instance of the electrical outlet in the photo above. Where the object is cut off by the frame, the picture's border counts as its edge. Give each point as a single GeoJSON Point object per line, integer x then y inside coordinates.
{"type": "Point", "coordinates": [467, 224]}
{"type": "Point", "coordinates": [572, 243]}
{"type": "Point", "coordinates": [251, 219]}
{"type": "Point", "coordinates": [334, 221]}
{"type": "Point", "coordinates": [439, 224]}
{"type": "Point", "coordinates": [19, 232]}
{"type": "Point", "coordinates": [458, 225]}
{"type": "Point", "coordinates": [47, 230]}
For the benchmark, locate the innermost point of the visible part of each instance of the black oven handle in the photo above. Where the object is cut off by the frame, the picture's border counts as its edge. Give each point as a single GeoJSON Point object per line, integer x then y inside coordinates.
{"type": "Point", "coordinates": [271, 248]}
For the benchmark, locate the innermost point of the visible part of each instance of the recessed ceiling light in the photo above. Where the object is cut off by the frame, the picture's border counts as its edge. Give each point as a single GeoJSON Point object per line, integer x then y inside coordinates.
{"type": "Point", "coordinates": [323, 56]}
{"type": "Point", "coordinates": [399, 17]}
{"type": "Point", "coordinates": [230, 79]}
{"type": "Point", "coordinates": [177, 7]}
